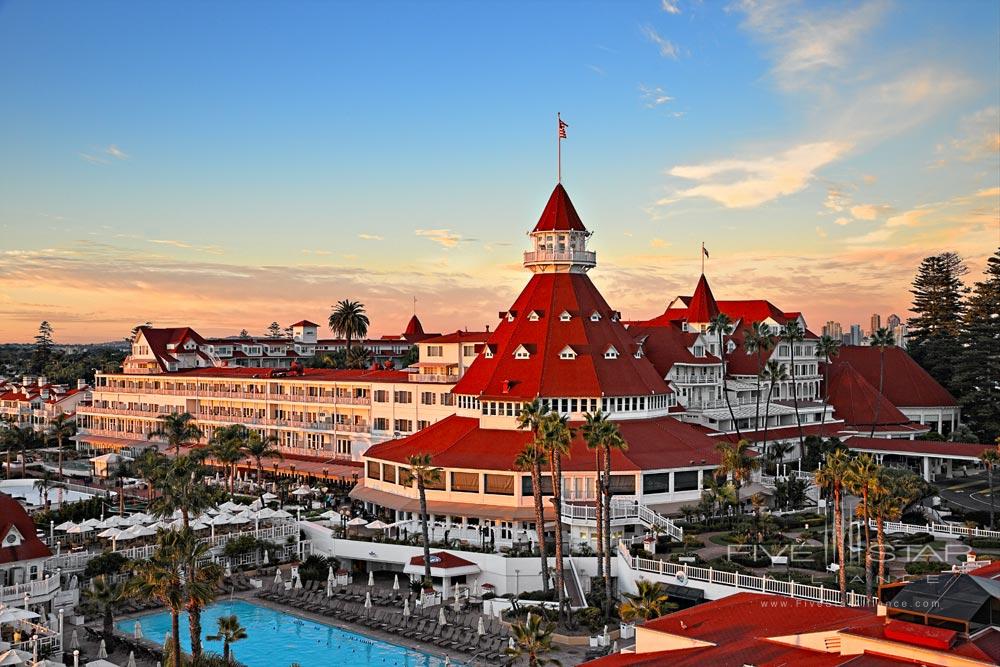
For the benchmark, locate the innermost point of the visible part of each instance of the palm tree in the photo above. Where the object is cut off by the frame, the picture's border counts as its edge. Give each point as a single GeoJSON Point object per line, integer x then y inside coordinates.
{"type": "Point", "coordinates": [201, 576]}
{"type": "Point", "coordinates": [862, 479]}
{"type": "Point", "coordinates": [358, 357]}
{"type": "Point", "coordinates": [779, 450]}
{"type": "Point", "coordinates": [348, 319]}
{"type": "Point", "coordinates": [422, 471]}
{"type": "Point", "coordinates": [259, 447]}
{"type": "Point", "coordinates": [614, 440]}
{"type": "Point", "coordinates": [160, 578]}
{"type": "Point", "coordinates": [880, 338]}
{"type": "Point", "coordinates": [990, 458]}
{"type": "Point", "coordinates": [757, 340]}
{"type": "Point", "coordinates": [120, 473]}
{"type": "Point", "coordinates": [151, 466]}
{"type": "Point", "coordinates": [557, 438]}
{"type": "Point", "coordinates": [827, 348]}
{"type": "Point", "coordinates": [894, 493]}
{"type": "Point", "coordinates": [227, 446]}
{"type": "Point", "coordinates": [594, 428]}
{"type": "Point", "coordinates": [182, 487]}
{"type": "Point", "coordinates": [105, 596]}
{"type": "Point", "coordinates": [18, 438]}
{"type": "Point", "coordinates": [792, 333]}
{"type": "Point", "coordinates": [532, 458]}
{"type": "Point", "coordinates": [44, 484]}
{"type": "Point", "coordinates": [178, 430]}
{"type": "Point", "coordinates": [532, 637]}
{"type": "Point", "coordinates": [62, 428]}
{"type": "Point", "coordinates": [831, 477]}
{"type": "Point", "coordinates": [647, 603]}
{"type": "Point", "coordinates": [773, 373]}
{"type": "Point", "coordinates": [230, 632]}
{"type": "Point", "coordinates": [736, 462]}
{"type": "Point", "coordinates": [722, 326]}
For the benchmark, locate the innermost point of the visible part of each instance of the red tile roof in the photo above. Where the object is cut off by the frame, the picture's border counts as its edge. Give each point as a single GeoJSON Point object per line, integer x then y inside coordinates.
{"type": "Point", "coordinates": [906, 383]}
{"type": "Point", "coordinates": [444, 561]}
{"type": "Point", "coordinates": [459, 442]}
{"type": "Point", "coordinates": [856, 401]}
{"type": "Point", "coordinates": [544, 373]}
{"type": "Point", "coordinates": [305, 323]}
{"type": "Point", "coordinates": [413, 327]}
{"type": "Point", "coordinates": [559, 214]}
{"type": "Point", "coordinates": [667, 345]}
{"type": "Point", "coordinates": [12, 515]}
{"type": "Point", "coordinates": [702, 307]}
{"type": "Point", "coordinates": [460, 337]}
{"type": "Point", "coordinates": [159, 338]}
{"type": "Point", "coordinates": [917, 447]}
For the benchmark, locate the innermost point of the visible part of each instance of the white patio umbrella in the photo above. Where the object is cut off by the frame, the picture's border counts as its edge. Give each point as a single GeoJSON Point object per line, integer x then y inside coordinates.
{"type": "Point", "coordinates": [228, 505]}
{"type": "Point", "coordinates": [368, 600]}
{"type": "Point", "coordinates": [298, 581]}
{"type": "Point", "coordinates": [142, 517]}
{"type": "Point", "coordinates": [329, 588]}
{"type": "Point", "coordinates": [266, 513]}
{"type": "Point", "coordinates": [356, 521]}
{"type": "Point", "coordinates": [329, 514]}
{"type": "Point", "coordinates": [510, 643]}
{"type": "Point", "coordinates": [240, 520]}
{"type": "Point", "coordinates": [13, 657]}
{"type": "Point", "coordinates": [92, 523]}
{"type": "Point", "coordinates": [406, 608]}
{"type": "Point", "coordinates": [101, 662]}
{"type": "Point", "coordinates": [137, 630]}
{"type": "Point", "coordinates": [78, 529]}
{"type": "Point", "coordinates": [65, 525]}
{"type": "Point", "coordinates": [395, 582]}
{"type": "Point", "coordinates": [266, 559]}
{"type": "Point", "coordinates": [102, 650]}
{"type": "Point", "coordinates": [458, 603]}
{"type": "Point", "coordinates": [199, 525]}
{"type": "Point", "coordinates": [371, 578]}
{"type": "Point", "coordinates": [481, 627]}
{"type": "Point", "coordinates": [442, 619]}
{"type": "Point", "coordinates": [447, 661]}
{"type": "Point", "coordinates": [281, 514]}
{"type": "Point", "coordinates": [302, 491]}
{"type": "Point", "coordinates": [220, 520]}
{"type": "Point", "coordinates": [238, 508]}
{"type": "Point", "coordinates": [377, 524]}
{"type": "Point", "coordinates": [14, 614]}
{"type": "Point", "coordinates": [269, 496]}
{"type": "Point", "coordinates": [131, 659]}
{"type": "Point", "coordinates": [74, 640]}
{"type": "Point", "coordinates": [277, 575]}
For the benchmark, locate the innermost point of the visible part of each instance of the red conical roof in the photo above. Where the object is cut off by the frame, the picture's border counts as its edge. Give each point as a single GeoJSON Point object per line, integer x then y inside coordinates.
{"type": "Point", "coordinates": [414, 327]}
{"type": "Point", "coordinates": [703, 306]}
{"type": "Point", "coordinates": [559, 214]}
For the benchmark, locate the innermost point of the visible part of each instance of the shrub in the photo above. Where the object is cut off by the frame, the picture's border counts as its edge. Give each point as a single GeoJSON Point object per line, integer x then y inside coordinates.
{"type": "Point", "coordinates": [315, 568]}
{"type": "Point", "coordinates": [926, 567]}
{"type": "Point", "coordinates": [239, 546]}
{"type": "Point", "coordinates": [984, 543]}
{"type": "Point", "coordinates": [913, 538]}
{"type": "Point", "coordinates": [108, 563]}
{"type": "Point", "coordinates": [591, 617]}
{"type": "Point", "coordinates": [539, 595]}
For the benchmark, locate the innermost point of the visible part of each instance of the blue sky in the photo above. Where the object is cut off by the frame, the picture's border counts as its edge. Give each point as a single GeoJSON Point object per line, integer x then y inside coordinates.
{"type": "Point", "coordinates": [225, 164]}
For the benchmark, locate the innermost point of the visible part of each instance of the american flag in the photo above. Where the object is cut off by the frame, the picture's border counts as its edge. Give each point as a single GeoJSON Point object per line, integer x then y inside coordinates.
{"type": "Point", "coordinates": [704, 250]}
{"type": "Point", "coordinates": [562, 129]}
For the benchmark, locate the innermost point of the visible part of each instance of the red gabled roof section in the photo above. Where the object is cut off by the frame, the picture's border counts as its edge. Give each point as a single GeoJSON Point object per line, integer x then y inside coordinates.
{"type": "Point", "coordinates": [856, 401]}
{"type": "Point", "coordinates": [305, 323]}
{"type": "Point", "coordinates": [703, 306]}
{"type": "Point", "coordinates": [667, 345]}
{"type": "Point", "coordinates": [459, 442]}
{"type": "Point", "coordinates": [906, 383]}
{"type": "Point", "coordinates": [460, 337]}
{"type": "Point", "coordinates": [413, 327]}
{"type": "Point", "coordinates": [445, 561]}
{"type": "Point", "coordinates": [544, 373]}
{"type": "Point", "coordinates": [12, 515]}
{"type": "Point", "coordinates": [559, 215]}
{"type": "Point", "coordinates": [159, 338]}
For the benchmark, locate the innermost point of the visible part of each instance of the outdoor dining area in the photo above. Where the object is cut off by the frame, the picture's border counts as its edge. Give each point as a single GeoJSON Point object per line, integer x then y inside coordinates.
{"type": "Point", "coordinates": [24, 637]}
{"type": "Point", "coordinates": [451, 628]}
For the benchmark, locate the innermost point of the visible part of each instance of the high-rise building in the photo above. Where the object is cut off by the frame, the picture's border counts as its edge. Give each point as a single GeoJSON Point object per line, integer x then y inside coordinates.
{"type": "Point", "coordinates": [893, 321]}
{"type": "Point", "coordinates": [876, 323]}
{"type": "Point", "coordinates": [833, 330]}
{"type": "Point", "coordinates": [856, 335]}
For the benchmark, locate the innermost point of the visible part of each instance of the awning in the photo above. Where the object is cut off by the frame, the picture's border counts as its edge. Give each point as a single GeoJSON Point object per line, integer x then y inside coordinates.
{"type": "Point", "coordinates": [113, 443]}
{"type": "Point", "coordinates": [443, 564]}
{"type": "Point", "coordinates": [683, 592]}
{"type": "Point", "coordinates": [447, 508]}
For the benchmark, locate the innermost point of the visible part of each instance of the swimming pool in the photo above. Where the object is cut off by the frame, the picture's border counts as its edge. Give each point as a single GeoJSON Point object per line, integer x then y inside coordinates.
{"type": "Point", "coordinates": [277, 639]}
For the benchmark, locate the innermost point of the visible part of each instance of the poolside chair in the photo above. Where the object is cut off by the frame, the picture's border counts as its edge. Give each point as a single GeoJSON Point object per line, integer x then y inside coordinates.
{"type": "Point", "coordinates": [414, 627]}
{"type": "Point", "coordinates": [446, 636]}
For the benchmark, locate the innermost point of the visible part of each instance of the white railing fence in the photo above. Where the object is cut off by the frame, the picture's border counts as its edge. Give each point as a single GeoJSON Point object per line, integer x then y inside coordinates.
{"type": "Point", "coordinates": [955, 529]}
{"type": "Point", "coordinates": [744, 582]}
{"type": "Point", "coordinates": [623, 511]}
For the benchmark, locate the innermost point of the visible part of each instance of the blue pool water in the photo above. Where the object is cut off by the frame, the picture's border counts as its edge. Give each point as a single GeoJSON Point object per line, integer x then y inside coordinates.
{"type": "Point", "coordinates": [277, 639]}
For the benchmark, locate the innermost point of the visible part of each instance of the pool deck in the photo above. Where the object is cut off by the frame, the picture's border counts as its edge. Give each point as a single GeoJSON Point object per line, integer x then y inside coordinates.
{"type": "Point", "coordinates": [568, 656]}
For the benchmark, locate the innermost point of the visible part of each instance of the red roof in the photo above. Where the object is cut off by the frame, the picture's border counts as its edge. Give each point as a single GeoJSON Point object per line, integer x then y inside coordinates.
{"type": "Point", "coordinates": [559, 214]}
{"type": "Point", "coordinates": [460, 337]}
{"type": "Point", "coordinates": [159, 338]}
{"type": "Point", "coordinates": [12, 515]}
{"type": "Point", "coordinates": [544, 373]}
{"type": "Point", "coordinates": [917, 447]}
{"type": "Point", "coordinates": [856, 401]}
{"type": "Point", "coordinates": [413, 327]}
{"type": "Point", "coordinates": [442, 560]}
{"type": "Point", "coordinates": [702, 307]}
{"type": "Point", "coordinates": [667, 345]}
{"type": "Point", "coordinates": [906, 383]}
{"type": "Point", "coordinates": [459, 442]}
{"type": "Point", "coordinates": [305, 323]}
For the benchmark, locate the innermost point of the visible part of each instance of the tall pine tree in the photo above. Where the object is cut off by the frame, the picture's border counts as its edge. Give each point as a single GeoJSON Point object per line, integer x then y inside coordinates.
{"type": "Point", "coordinates": [938, 309]}
{"type": "Point", "coordinates": [977, 374]}
{"type": "Point", "coordinates": [41, 354]}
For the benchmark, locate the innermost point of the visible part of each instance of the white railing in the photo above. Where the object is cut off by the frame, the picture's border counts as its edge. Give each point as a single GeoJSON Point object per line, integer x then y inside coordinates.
{"type": "Point", "coordinates": [39, 637]}
{"type": "Point", "coordinates": [937, 528]}
{"type": "Point", "coordinates": [575, 256]}
{"type": "Point", "coordinates": [694, 379]}
{"type": "Point", "coordinates": [432, 377]}
{"type": "Point", "coordinates": [744, 582]}
{"type": "Point", "coordinates": [35, 588]}
{"type": "Point", "coordinates": [625, 510]}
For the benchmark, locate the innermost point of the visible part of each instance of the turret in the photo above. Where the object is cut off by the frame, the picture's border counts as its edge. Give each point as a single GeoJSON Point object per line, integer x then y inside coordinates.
{"type": "Point", "coordinates": [559, 240]}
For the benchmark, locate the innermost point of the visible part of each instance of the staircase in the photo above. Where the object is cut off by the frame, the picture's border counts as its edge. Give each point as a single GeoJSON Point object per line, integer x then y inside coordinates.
{"type": "Point", "coordinates": [623, 511]}
{"type": "Point", "coordinates": [573, 585]}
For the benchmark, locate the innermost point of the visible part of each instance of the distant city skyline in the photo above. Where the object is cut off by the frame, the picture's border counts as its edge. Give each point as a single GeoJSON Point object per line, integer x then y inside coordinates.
{"type": "Point", "coordinates": [231, 164]}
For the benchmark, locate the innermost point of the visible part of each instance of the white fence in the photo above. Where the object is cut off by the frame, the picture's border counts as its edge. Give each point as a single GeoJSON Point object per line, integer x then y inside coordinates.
{"type": "Point", "coordinates": [743, 582]}
{"type": "Point", "coordinates": [623, 511]}
{"type": "Point", "coordinates": [954, 529]}
{"type": "Point", "coordinates": [35, 589]}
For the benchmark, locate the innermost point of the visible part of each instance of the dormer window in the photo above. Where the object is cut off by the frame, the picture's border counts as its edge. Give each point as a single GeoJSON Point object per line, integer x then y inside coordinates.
{"type": "Point", "coordinates": [565, 316]}
{"type": "Point", "coordinates": [488, 351]}
{"type": "Point", "coordinates": [638, 353]}
{"type": "Point", "coordinates": [534, 316]}
{"type": "Point", "coordinates": [567, 353]}
{"type": "Point", "coordinates": [615, 316]}
{"type": "Point", "coordinates": [521, 352]}
{"type": "Point", "coordinates": [611, 352]}
{"type": "Point", "coordinates": [13, 538]}
{"type": "Point", "coordinates": [595, 316]}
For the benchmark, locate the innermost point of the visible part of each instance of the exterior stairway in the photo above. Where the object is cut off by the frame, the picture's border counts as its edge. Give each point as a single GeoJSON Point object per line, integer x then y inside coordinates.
{"type": "Point", "coordinates": [622, 511]}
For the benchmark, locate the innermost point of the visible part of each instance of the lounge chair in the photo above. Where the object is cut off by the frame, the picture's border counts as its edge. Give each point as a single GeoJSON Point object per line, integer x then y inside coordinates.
{"type": "Point", "coordinates": [446, 636]}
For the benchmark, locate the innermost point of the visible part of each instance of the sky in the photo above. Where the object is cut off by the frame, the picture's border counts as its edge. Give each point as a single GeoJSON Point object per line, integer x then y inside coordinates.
{"type": "Point", "coordinates": [225, 164]}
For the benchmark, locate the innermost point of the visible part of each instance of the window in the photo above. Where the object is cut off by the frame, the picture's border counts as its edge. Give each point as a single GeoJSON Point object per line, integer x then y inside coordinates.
{"type": "Point", "coordinates": [403, 425]}
{"type": "Point", "coordinates": [595, 316]}
{"type": "Point", "coordinates": [427, 398]}
{"type": "Point", "coordinates": [468, 350]}
{"type": "Point", "coordinates": [567, 353]}
{"type": "Point", "coordinates": [521, 353]}
{"type": "Point", "coordinates": [435, 350]}
{"type": "Point", "coordinates": [686, 480]}
{"type": "Point", "coordinates": [623, 485]}
{"type": "Point", "coordinates": [526, 485]}
{"type": "Point", "coordinates": [500, 485]}
{"type": "Point", "coordinates": [381, 424]}
{"type": "Point", "coordinates": [402, 396]}
{"type": "Point", "coordinates": [374, 470]}
{"type": "Point", "coordinates": [465, 482]}
{"type": "Point", "coordinates": [447, 399]}
{"type": "Point", "coordinates": [534, 316]}
{"type": "Point", "coordinates": [389, 473]}
{"type": "Point", "coordinates": [488, 352]}
{"type": "Point", "coordinates": [343, 446]}
{"type": "Point", "coordinates": [381, 396]}
{"type": "Point", "coordinates": [611, 353]}
{"type": "Point", "coordinates": [656, 483]}
{"type": "Point", "coordinates": [422, 424]}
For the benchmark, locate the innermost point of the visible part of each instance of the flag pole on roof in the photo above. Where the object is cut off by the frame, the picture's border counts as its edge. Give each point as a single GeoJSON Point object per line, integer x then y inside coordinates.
{"type": "Point", "coordinates": [704, 254]}
{"type": "Point", "coordinates": [561, 135]}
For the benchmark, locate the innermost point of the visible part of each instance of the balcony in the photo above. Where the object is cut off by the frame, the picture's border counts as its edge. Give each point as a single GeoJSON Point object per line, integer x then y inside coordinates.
{"type": "Point", "coordinates": [433, 377]}
{"type": "Point", "coordinates": [582, 257]}
{"type": "Point", "coordinates": [694, 379]}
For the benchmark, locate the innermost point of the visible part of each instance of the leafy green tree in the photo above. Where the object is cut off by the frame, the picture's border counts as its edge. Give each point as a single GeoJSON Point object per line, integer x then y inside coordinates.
{"type": "Point", "coordinates": [358, 357]}
{"type": "Point", "coordinates": [990, 458]}
{"type": "Point", "coordinates": [178, 430]}
{"type": "Point", "coordinates": [933, 336]}
{"type": "Point", "coordinates": [863, 479]}
{"type": "Point", "coordinates": [349, 320]}
{"type": "Point", "coordinates": [977, 373]}
{"type": "Point", "coordinates": [182, 487]}
{"type": "Point", "coordinates": [831, 477]}
{"type": "Point", "coordinates": [736, 461]}
{"type": "Point", "coordinates": [557, 438]}
{"type": "Point", "coordinates": [532, 639]}
{"type": "Point", "coordinates": [228, 447]}
{"type": "Point", "coordinates": [827, 348]}
{"type": "Point", "coordinates": [106, 597]}
{"type": "Point", "coordinates": [773, 373]}
{"type": "Point", "coordinates": [62, 428]}
{"type": "Point", "coordinates": [259, 447]}
{"type": "Point", "coordinates": [160, 578]}
{"type": "Point", "coordinates": [757, 340]}
{"type": "Point", "coordinates": [273, 330]}
{"type": "Point", "coordinates": [792, 334]}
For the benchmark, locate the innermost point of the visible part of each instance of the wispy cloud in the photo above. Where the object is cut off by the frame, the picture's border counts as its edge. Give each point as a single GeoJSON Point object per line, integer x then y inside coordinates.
{"type": "Point", "coordinates": [658, 243]}
{"type": "Point", "coordinates": [653, 97]}
{"type": "Point", "coordinates": [210, 249]}
{"type": "Point", "coordinates": [979, 136]}
{"type": "Point", "coordinates": [870, 211]}
{"type": "Point", "coordinates": [92, 159]}
{"type": "Point", "coordinates": [671, 6]}
{"type": "Point", "coordinates": [600, 71]}
{"type": "Point", "coordinates": [104, 155]}
{"type": "Point", "coordinates": [370, 237]}
{"type": "Point", "coordinates": [443, 237]}
{"type": "Point", "coordinates": [116, 152]}
{"type": "Point", "coordinates": [666, 48]}
{"type": "Point", "coordinates": [742, 183]}
{"type": "Point", "coordinates": [310, 251]}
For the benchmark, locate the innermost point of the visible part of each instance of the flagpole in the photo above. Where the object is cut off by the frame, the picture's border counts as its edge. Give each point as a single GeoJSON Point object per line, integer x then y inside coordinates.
{"type": "Point", "coordinates": [559, 148]}
{"type": "Point", "coordinates": [702, 258]}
